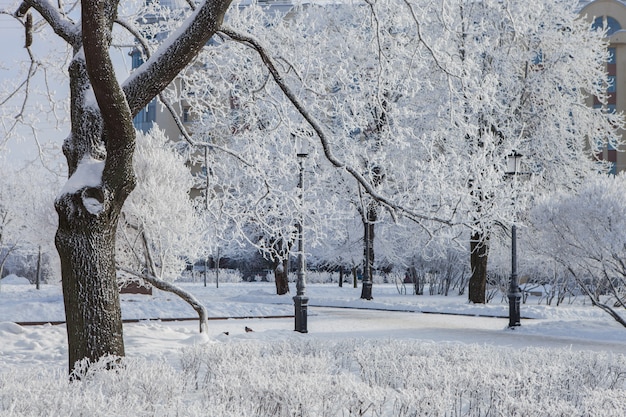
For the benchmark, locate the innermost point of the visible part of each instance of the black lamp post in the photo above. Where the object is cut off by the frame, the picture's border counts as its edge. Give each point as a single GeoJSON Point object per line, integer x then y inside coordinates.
{"type": "Point", "coordinates": [300, 301]}
{"type": "Point", "coordinates": [515, 293]}
{"type": "Point", "coordinates": [366, 290]}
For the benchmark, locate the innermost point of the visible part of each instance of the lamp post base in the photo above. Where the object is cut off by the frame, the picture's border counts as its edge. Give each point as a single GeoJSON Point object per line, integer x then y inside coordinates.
{"type": "Point", "coordinates": [515, 300]}
{"type": "Point", "coordinates": [301, 304]}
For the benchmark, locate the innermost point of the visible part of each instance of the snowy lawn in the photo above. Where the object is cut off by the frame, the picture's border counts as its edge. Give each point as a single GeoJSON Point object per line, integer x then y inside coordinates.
{"type": "Point", "coordinates": [568, 360]}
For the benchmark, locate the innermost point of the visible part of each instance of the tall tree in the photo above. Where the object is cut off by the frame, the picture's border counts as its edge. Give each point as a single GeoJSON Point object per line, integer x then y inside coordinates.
{"type": "Point", "coordinates": [354, 89]}
{"type": "Point", "coordinates": [520, 78]}
{"type": "Point", "coordinates": [99, 153]}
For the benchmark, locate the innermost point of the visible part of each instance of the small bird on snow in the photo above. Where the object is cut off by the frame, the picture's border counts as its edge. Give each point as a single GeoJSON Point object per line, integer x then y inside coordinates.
{"type": "Point", "coordinates": [248, 330]}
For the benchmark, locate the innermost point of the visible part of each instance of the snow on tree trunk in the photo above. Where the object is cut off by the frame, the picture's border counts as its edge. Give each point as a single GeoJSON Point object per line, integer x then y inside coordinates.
{"type": "Point", "coordinates": [103, 136]}
{"type": "Point", "coordinates": [101, 178]}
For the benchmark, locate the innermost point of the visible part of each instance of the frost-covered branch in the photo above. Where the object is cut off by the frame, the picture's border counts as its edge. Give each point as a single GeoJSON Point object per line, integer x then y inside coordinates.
{"type": "Point", "coordinates": [320, 131]}
{"type": "Point", "coordinates": [169, 287]}
{"type": "Point", "coordinates": [62, 25]}
{"type": "Point", "coordinates": [172, 57]}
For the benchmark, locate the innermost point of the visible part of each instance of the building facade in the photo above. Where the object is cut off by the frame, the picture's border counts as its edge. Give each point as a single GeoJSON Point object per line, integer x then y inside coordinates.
{"type": "Point", "coordinates": [612, 15]}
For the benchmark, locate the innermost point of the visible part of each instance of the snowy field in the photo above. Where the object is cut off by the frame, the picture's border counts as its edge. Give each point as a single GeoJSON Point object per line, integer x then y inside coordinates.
{"type": "Point", "coordinates": [386, 357]}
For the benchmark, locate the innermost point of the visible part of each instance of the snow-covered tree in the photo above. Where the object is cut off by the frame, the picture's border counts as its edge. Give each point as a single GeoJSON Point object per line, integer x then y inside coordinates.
{"type": "Point", "coordinates": [99, 152]}
{"type": "Point", "coordinates": [368, 114]}
{"type": "Point", "coordinates": [520, 79]}
{"type": "Point", "coordinates": [425, 109]}
{"type": "Point", "coordinates": [11, 220]}
{"type": "Point", "coordinates": [159, 233]}
{"type": "Point", "coordinates": [26, 222]}
{"type": "Point", "coordinates": [159, 230]}
{"type": "Point", "coordinates": [585, 233]}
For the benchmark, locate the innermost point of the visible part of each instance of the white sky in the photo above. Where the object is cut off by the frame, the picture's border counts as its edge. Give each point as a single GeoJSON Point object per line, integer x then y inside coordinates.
{"type": "Point", "coordinates": [13, 53]}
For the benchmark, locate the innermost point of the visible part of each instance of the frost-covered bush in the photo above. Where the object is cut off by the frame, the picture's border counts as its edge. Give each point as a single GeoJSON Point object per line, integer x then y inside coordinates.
{"type": "Point", "coordinates": [158, 228]}
{"type": "Point", "coordinates": [314, 378]}
{"type": "Point", "coordinates": [584, 234]}
{"type": "Point", "coordinates": [326, 277]}
{"type": "Point", "coordinates": [225, 275]}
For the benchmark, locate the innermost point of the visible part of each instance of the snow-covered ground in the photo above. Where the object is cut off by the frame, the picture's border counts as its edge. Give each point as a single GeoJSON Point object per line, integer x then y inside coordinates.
{"type": "Point", "coordinates": [577, 323]}
{"type": "Point", "coordinates": [337, 317]}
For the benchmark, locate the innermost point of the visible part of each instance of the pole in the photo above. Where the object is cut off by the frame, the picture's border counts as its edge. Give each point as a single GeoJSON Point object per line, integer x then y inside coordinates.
{"type": "Point", "coordinates": [38, 278]}
{"type": "Point", "coordinates": [366, 286]}
{"type": "Point", "coordinates": [515, 294]}
{"type": "Point", "coordinates": [217, 269]}
{"type": "Point", "coordinates": [300, 301]}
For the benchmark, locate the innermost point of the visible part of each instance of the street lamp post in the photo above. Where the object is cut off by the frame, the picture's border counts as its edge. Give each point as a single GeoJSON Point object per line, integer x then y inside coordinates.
{"type": "Point", "coordinates": [300, 301]}
{"type": "Point", "coordinates": [515, 293]}
{"type": "Point", "coordinates": [366, 291]}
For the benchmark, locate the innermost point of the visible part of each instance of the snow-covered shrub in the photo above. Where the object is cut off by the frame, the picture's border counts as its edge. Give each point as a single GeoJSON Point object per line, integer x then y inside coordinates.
{"type": "Point", "coordinates": [403, 378]}
{"type": "Point", "coordinates": [225, 275]}
{"type": "Point", "coordinates": [585, 234]}
{"type": "Point", "coordinates": [158, 229]}
{"type": "Point", "coordinates": [325, 378]}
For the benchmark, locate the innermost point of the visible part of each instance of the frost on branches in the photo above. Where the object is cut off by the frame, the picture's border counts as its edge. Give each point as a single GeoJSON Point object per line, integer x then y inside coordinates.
{"type": "Point", "coordinates": [585, 233]}
{"type": "Point", "coordinates": [417, 105]}
{"type": "Point", "coordinates": [409, 110]}
{"type": "Point", "coordinates": [159, 231]}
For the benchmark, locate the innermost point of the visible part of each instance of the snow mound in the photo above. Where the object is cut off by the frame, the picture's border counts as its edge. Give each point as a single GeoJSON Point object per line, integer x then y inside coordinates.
{"type": "Point", "coordinates": [13, 279]}
{"type": "Point", "coordinates": [198, 339]}
{"type": "Point", "coordinates": [8, 327]}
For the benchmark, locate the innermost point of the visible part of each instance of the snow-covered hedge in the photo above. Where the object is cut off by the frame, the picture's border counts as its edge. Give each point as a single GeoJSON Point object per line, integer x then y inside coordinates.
{"type": "Point", "coordinates": [225, 275]}
{"type": "Point", "coordinates": [332, 378]}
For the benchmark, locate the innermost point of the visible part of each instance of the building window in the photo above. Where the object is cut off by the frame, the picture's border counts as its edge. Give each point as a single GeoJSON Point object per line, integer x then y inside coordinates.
{"type": "Point", "coordinates": [137, 60]}
{"type": "Point", "coordinates": [146, 117]}
{"type": "Point", "coordinates": [608, 22]}
{"type": "Point", "coordinates": [612, 59]}
{"type": "Point", "coordinates": [611, 86]}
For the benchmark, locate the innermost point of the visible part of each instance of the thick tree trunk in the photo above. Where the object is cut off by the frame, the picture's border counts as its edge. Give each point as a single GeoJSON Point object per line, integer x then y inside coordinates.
{"type": "Point", "coordinates": [86, 246]}
{"type": "Point", "coordinates": [99, 156]}
{"type": "Point", "coordinates": [479, 247]}
{"type": "Point", "coordinates": [102, 132]}
{"type": "Point", "coordinates": [100, 180]}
